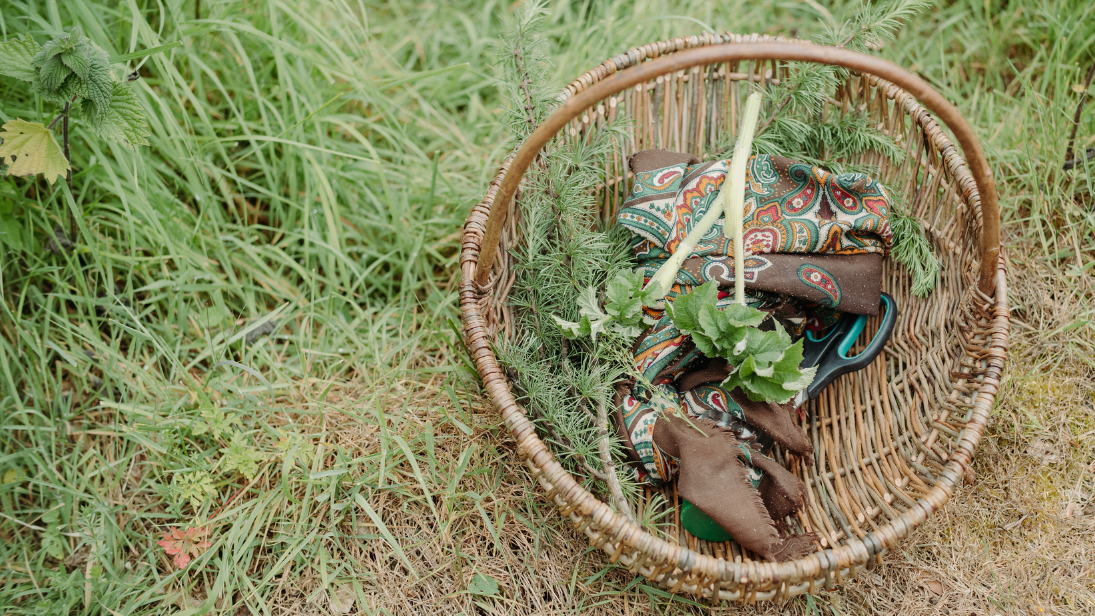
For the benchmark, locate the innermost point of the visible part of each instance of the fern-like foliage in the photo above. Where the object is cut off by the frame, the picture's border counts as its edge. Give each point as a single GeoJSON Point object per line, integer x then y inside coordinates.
{"type": "Point", "coordinates": [799, 128]}
{"type": "Point", "coordinates": [563, 251]}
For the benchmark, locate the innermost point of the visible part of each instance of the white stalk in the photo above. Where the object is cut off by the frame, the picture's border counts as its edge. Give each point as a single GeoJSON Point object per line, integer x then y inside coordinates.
{"type": "Point", "coordinates": [732, 208]}
{"type": "Point", "coordinates": [735, 205]}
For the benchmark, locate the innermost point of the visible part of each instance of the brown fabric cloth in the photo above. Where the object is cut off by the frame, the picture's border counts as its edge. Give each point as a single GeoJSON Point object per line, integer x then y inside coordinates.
{"type": "Point", "coordinates": [775, 420]}
{"type": "Point", "coordinates": [856, 279]}
{"type": "Point", "coordinates": [713, 478]}
{"type": "Point", "coordinates": [649, 160]}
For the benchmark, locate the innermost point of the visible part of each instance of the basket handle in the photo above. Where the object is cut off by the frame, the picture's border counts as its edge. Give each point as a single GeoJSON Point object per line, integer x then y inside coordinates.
{"type": "Point", "coordinates": [731, 52]}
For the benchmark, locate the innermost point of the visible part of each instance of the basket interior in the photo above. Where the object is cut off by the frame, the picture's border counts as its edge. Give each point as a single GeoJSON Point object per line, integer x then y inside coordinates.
{"type": "Point", "coordinates": [883, 435]}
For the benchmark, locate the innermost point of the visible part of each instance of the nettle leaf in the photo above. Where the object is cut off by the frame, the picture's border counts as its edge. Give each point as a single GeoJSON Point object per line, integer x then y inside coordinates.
{"type": "Point", "coordinates": [766, 363]}
{"type": "Point", "coordinates": [17, 58]}
{"type": "Point", "coordinates": [77, 61]}
{"type": "Point", "coordinates": [123, 120]}
{"type": "Point", "coordinates": [30, 148]}
{"type": "Point", "coordinates": [70, 68]}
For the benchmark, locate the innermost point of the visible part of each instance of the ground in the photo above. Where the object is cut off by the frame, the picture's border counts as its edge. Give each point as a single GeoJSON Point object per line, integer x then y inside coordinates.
{"type": "Point", "coordinates": [315, 160]}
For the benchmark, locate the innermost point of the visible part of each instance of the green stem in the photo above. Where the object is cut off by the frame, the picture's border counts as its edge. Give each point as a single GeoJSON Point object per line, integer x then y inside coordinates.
{"type": "Point", "coordinates": [68, 174]}
{"type": "Point", "coordinates": [735, 207]}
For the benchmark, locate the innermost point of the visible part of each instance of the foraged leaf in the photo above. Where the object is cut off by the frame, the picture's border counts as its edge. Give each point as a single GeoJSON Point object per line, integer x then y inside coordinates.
{"type": "Point", "coordinates": [71, 67]}
{"type": "Point", "coordinates": [30, 148]}
{"type": "Point", "coordinates": [767, 364]}
{"type": "Point", "coordinates": [185, 545]}
{"type": "Point", "coordinates": [242, 457]}
{"type": "Point", "coordinates": [483, 585]}
{"type": "Point", "coordinates": [16, 58]}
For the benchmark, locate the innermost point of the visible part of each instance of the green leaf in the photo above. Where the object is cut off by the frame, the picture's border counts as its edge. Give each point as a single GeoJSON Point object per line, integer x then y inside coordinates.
{"type": "Point", "coordinates": [242, 457]}
{"type": "Point", "coordinates": [70, 68]}
{"type": "Point", "coordinates": [743, 316]}
{"type": "Point", "coordinates": [685, 309]}
{"type": "Point", "coordinates": [76, 61]}
{"type": "Point", "coordinates": [17, 58]}
{"type": "Point", "coordinates": [30, 148]}
{"type": "Point", "coordinates": [53, 73]}
{"type": "Point", "coordinates": [483, 585]}
{"type": "Point", "coordinates": [124, 120]}
{"type": "Point", "coordinates": [573, 330]}
{"type": "Point", "coordinates": [52, 542]}
{"type": "Point", "coordinates": [11, 234]}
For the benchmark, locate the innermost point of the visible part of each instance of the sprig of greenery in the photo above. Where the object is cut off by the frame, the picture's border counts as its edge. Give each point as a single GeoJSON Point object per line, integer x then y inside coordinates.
{"type": "Point", "coordinates": [623, 311]}
{"type": "Point", "coordinates": [797, 126]}
{"type": "Point", "coordinates": [73, 73]}
{"type": "Point", "coordinates": [766, 363]}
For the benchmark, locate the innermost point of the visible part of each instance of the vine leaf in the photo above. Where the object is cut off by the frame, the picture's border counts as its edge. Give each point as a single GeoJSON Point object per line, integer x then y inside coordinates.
{"type": "Point", "coordinates": [30, 148]}
{"type": "Point", "coordinates": [185, 544]}
{"type": "Point", "coordinates": [16, 58]}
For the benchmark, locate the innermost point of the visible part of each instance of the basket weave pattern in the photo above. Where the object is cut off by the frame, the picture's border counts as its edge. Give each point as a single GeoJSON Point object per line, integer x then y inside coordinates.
{"type": "Point", "coordinates": [891, 441]}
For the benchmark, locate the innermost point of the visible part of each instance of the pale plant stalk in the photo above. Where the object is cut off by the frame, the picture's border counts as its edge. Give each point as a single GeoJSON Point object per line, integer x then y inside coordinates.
{"type": "Point", "coordinates": [667, 273]}
{"type": "Point", "coordinates": [735, 206]}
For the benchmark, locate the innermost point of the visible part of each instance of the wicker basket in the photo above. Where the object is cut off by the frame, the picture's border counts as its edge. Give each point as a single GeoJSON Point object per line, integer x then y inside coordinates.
{"type": "Point", "coordinates": [892, 441]}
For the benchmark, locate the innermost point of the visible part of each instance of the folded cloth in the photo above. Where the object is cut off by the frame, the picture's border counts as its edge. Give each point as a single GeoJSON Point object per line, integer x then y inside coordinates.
{"type": "Point", "coordinates": [815, 244]}
{"type": "Point", "coordinates": [810, 235]}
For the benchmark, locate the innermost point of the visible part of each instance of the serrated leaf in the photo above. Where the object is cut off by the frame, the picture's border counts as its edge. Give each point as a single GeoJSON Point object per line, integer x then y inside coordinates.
{"type": "Point", "coordinates": [185, 544]}
{"type": "Point", "coordinates": [483, 585]}
{"type": "Point", "coordinates": [572, 330]}
{"type": "Point", "coordinates": [17, 58]}
{"type": "Point", "coordinates": [765, 346]}
{"type": "Point", "coordinates": [30, 148]}
{"type": "Point", "coordinates": [53, 74]}
{"type": "Point", "coordinates": [124, 120]}
{"type": "Point", "coordinates": [685, 309]}
{"type": "Point", "coordinates": [744, 316]}
{"type": "Point", "coordinates": [806, 376]}
{"type": "Point", "coordinates": [587, 304]}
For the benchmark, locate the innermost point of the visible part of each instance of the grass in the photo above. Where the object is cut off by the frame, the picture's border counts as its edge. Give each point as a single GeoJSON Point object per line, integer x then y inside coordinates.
{"type": "Point", "coordinates": [314, 161]}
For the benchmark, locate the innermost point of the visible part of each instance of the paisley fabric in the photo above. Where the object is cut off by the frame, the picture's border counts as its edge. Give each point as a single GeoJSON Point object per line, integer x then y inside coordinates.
{"type": "Point", "coordinates": [815, 243]}
{"type": "Point", "coordinates": [790, 207]}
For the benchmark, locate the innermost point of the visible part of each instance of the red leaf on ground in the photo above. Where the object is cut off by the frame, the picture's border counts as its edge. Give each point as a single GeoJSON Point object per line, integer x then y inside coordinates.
{"type": "Point", "coordinates": [184, 544]}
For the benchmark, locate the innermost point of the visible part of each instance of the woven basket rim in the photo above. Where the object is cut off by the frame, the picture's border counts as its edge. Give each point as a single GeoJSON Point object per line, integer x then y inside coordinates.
{"type": "Point", "coordinates": [629, 543]}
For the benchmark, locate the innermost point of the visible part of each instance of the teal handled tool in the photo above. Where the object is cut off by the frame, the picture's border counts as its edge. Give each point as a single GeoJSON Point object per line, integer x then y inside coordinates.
{"type": "Point", "coordinates": [829, 353]}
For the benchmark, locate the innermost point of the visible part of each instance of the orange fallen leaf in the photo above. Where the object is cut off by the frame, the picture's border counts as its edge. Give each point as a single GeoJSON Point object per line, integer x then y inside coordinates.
{"type": "Point", "coordinates": [184, 544]}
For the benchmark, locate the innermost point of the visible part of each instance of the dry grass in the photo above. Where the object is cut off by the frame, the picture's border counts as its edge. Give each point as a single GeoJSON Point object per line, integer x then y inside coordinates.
{"type": "Point", "coordinates": [1018, 538]}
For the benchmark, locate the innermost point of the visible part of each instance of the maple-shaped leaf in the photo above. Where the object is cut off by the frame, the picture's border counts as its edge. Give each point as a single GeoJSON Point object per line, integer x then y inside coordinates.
{"type": "Point", "coordinates": [16, 58]}
{"type": "Point", "coordinates": [185, 544]}
{"type": "Point", "coordinates": [30, 148]}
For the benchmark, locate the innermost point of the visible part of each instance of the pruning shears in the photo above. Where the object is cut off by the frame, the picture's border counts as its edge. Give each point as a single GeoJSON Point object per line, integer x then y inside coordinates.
{"type": "Point", "coordinates": [829, 351]}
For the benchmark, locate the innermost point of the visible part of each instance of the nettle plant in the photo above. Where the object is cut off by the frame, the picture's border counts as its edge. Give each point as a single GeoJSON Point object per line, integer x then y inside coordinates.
{"type": "Point", "coordinates": [74, 74]}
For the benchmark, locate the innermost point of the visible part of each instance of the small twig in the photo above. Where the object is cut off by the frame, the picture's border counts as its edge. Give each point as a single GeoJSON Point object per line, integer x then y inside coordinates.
{"type": "Point", "coordinates": [1079, 112]}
